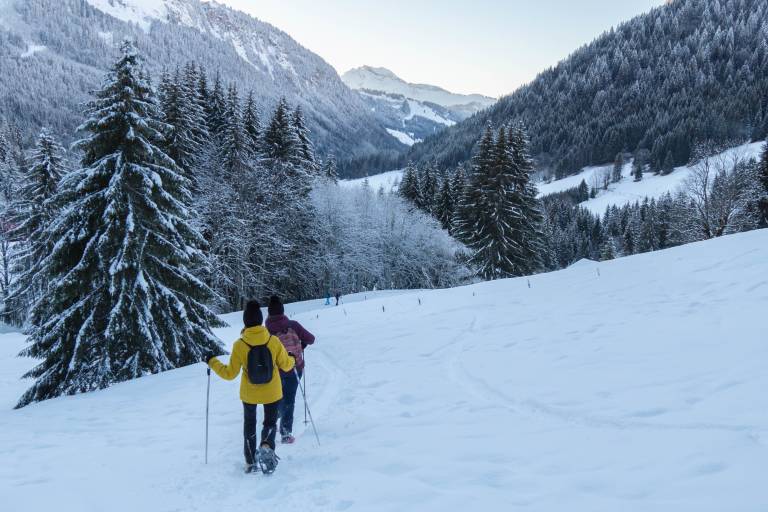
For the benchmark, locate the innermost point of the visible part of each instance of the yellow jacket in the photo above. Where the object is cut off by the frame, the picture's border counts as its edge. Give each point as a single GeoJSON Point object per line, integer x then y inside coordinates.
{"type": "Point", "coordinates": [255, 393]}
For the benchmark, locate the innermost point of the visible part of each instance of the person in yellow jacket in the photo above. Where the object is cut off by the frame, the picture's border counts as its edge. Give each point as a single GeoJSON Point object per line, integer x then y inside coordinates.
{"type": "Point", "coordinates": [269, 394]}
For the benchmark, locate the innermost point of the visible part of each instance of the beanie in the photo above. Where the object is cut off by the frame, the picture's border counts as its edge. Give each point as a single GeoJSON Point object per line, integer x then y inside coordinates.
{"type": "Point", "coordinates": [252, 314]}
{"type": "Point", "coordinates": [275, 306]}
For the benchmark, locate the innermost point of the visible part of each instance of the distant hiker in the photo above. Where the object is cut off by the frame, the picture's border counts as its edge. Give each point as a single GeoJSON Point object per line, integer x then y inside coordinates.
{"type": "Point", "coordinates": [262, 357]}
{"type": "Point", "coordinates": [338, 296]}
{"type": "Point", "coordinates": [327, 298]}
{"type": "Point", "coordinates": [295, 339]}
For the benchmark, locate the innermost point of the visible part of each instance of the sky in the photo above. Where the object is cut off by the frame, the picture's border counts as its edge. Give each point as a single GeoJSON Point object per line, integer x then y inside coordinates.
{"type": "Point", "coordinates": [489, 47]}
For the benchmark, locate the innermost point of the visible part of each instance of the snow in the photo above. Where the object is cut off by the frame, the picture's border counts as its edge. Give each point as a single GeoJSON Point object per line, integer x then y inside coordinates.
{"type": "Point", "coordinates": [140, 12]}
{"type": "Point", "coordinates": [32, 49]}
{"type": "Point", "coordinates": [389, 180]}
{"type": "Point", "coordinates": [639, 389]}
{"type": "Point", "coordinates": [382, 79]}
{"type": "Point", "coordinates": [417, 109]}
{"type": "Point", "coordinates": [402, 137]}
{"type": "Point", "coordinates": [628, 191]}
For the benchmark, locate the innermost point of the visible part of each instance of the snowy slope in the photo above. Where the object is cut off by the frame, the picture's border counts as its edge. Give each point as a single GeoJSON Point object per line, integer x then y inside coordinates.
{"type": "Point", "coordinates": [628, 191]}
{"type": "Point", "coordinates": [382, 79]}
{"type": "Point", "coordinates": [641, 389]}
{"type": "Point", "coordinates": [389, 180]}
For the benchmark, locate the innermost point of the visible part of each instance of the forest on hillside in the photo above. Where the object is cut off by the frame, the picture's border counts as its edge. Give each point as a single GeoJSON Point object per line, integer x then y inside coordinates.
{"type": "Point", "coordinates": [658, 85]}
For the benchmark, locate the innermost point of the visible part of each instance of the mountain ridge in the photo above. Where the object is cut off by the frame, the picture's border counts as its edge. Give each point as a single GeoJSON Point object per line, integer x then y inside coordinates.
{"type": "Point", "coordinates": [170, 33]}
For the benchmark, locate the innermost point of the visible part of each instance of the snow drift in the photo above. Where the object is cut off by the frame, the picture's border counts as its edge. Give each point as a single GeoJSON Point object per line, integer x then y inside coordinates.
{"type": "Point", "coordinates": [635, 385]}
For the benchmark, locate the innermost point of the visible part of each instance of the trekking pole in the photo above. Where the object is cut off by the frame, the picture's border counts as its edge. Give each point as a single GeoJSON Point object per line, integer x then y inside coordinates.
{"type": "Point", "coordinates": [207, 401]}
{"type": "Point", "coordinates": [305, 396]}
{"type": "Point", "coordinates": [309, 413]}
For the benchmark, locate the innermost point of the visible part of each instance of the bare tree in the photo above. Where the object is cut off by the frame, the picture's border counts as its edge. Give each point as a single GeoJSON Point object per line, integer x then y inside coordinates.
{"type": "Point", "coordinates": [720, 191]}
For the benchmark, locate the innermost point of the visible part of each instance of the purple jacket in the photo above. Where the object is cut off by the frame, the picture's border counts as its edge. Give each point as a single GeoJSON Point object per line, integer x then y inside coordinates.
{"type": "Point", "coordinates": [280, 323]}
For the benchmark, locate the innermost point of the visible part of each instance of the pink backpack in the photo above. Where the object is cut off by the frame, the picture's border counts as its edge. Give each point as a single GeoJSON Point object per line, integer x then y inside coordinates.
{"type": "Point", "coordinates": [292, 344]}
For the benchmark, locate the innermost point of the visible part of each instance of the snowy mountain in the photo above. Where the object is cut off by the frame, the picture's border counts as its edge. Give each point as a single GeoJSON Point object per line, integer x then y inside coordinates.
{"type": "Point", "coordinates": [635, 385]}
{"type": "Point", "coordinates": [411, 112]}
{"type": "Point", "coordinates": [60, 49]}
{"type": "Point", "coordinates": [686, 72]}
{"type": "Point", "coordinates": [628, 191]}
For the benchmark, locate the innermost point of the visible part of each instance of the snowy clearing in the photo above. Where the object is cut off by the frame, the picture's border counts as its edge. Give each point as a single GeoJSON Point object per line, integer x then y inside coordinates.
{"type": "Point", "coordinates": [628, 191]}
{"type": "Point", "coordinates": [402, 137]}
{"type": "Point", "coordinates": [641, 388]}
{"type": "Point", "coordinates": [389, 180]}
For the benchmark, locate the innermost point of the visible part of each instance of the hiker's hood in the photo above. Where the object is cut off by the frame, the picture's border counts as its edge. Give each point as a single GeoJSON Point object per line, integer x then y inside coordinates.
{"type": "Point", "coordinates": [258, 335]}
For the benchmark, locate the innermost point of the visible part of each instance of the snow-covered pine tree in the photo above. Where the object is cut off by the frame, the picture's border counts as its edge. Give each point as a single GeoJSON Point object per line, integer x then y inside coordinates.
{"type": "Point", "coordinates": [530, 237]}
{"type": "Point", "coordinates": [488, 215]}
{"type": "Point", "coordinates": [618, 167]}
{"type": "Point", "coordinates": [252, 123]}
{"type": "Point", "coordinates": [608, 250]}
{"type": "Point", "coordinates": [444, 206]}
{"type": "Point", "coordinates": [33, 211]}
{"type": "Point", "coordinates": [409, 185]}
{"type": "Point", "coordinates": [280, 139]}
{"type": "Point", "coordinates": [638, 165]}
{"type": "Point", "coordinates": [9, 179]}
{"type": "Point", "coordinates": [182, 143]}
{"type": "Point", "coordinates": [304, 148]}
{"type": "Point", "coordinates": [121, 301]}
{"type": "Point", "coordinates": [216, 107]}
{"type": "Point", "coordinates": [669, 164]}
{"type": "Point", "coordinates": [428, 188]}
{"type": "Point", "coordinates": [763, 175]}
{"type": "Point", "coordinates": [329, 169]}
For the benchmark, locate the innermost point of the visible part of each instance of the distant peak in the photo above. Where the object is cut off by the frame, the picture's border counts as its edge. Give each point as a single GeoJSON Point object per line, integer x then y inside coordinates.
{"type": "Point", "coordinates": [383, 80]}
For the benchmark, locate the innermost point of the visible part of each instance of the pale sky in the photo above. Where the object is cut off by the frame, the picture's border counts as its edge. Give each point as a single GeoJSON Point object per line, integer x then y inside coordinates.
{"type": "Point", "coordinates": [469, 46]}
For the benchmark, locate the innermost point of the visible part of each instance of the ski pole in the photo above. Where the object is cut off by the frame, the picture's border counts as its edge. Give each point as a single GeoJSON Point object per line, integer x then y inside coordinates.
{"type": "Point", "coordinates": [296, 372]}
{"type": "Point", "coordinates": [207, 401]}
{"type": "Point", "coordinates": [305, 395]}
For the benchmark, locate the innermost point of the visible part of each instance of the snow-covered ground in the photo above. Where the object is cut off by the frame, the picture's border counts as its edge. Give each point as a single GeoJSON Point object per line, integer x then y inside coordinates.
{"type": "Point", "coordinates": [382, 79]}
{"type": "Point", "coordinates": [640, 387]}
{"type": "Point", "coordinates": [403, 137]}
{"type": "Point", "coordinates": [628, 191]}
{"type": "Point", "coordinates": [389, 180]}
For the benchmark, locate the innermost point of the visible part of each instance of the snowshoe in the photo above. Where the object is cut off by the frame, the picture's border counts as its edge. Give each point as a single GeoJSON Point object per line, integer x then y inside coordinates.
{"type": "Point", "coordinates": [250, 468]}
{"type": "Point", "coordinates": [288, 439]}
{"type": "Point", "coordinates": [268, 460]}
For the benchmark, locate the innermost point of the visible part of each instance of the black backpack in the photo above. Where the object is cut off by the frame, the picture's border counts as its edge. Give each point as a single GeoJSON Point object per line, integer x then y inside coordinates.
{"type": "Point", "coordinates": [260, 365]}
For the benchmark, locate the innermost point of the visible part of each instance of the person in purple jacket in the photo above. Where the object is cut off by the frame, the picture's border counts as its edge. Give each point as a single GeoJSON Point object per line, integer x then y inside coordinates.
{"type": "Point", "coordinates": [295, 339]}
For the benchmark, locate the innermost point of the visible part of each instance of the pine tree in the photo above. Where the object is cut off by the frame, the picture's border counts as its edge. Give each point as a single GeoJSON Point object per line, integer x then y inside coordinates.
{"type": "Point", "coordinates": [763, 174]}
{"type": "Point", "coordinates": [121, 300]}
{"type": "Point", "coordinates": [304, 148]}
{"type": "Point", "coordinates": [637, 171]}
{"type": "Point", "coordinates": [34, 210]}
{"type": "Point", "coordinates": [530, 237]}
{"type": "Point", "coordinates": [329, 169]}
{"type": "Point", "coordinates": [428, 188]}
{"type": "Point", "coordinates": [608, 250]}
{"type": "Point", "coordinates": [280, 139]}
{"type": "Point", "coordinates": [252, 123]}
{"type": "Point", "coordinates": [216, 107]}
{"type": "Point", "coordinates": [618, 168]}
{"type": "Point", "coordinates": [669, 164]}
{"type": "Point", "coordinates": [444, 206]}
{"type": "Point", "coordinates": [409, 185]}
{"type": "Point", "coordinates": [182, 143]}
{"type": "Point", "coordinates": [489, 214]}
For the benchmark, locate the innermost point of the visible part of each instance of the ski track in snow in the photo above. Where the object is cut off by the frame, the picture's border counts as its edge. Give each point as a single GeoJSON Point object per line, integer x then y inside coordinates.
{"type": "Point", "coordinates": [638, 389]}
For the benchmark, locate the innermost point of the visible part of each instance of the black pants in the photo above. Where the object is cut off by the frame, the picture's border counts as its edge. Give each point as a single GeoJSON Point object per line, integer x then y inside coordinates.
{"type": "Point", "coordinates": [268, 431]}
{"type": "Point", "coordinates": [290, 385]}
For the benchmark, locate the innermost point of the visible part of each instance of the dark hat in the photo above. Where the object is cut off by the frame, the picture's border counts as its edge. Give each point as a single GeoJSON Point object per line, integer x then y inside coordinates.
{"type": "Point", "coordinates": [275, 306]}
{"type": "Point", "coordinates": [252, 314]}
